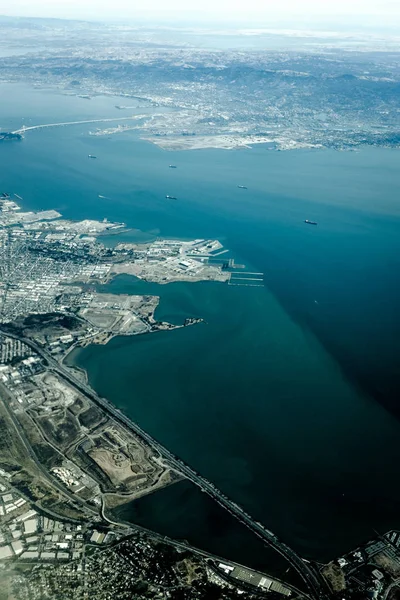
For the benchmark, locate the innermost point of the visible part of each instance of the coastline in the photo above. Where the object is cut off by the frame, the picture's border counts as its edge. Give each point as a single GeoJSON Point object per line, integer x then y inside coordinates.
{"type": "Point", "coordinates": [225, 142]}
{"type": "Point", "coordinates": [105, 337]}
{"type": "Point", "coordinates": [266, 233]}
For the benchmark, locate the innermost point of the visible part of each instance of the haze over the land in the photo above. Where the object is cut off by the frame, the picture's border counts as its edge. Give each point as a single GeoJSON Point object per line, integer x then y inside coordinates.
{"type": "Point", "coordinates": [340, 13]}
{"type": "Point", "coordinates": [282, 399]}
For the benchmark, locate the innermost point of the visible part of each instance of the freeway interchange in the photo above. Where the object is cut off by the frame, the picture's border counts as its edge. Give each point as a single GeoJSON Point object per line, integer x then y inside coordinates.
{"type": "Point", "coordinates": [315, 584]}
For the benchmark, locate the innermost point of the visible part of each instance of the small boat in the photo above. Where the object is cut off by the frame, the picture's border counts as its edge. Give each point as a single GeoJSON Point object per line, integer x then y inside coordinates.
{"type": "Point", "coordinates": [170, 197]}
{"type": "Point", "coordinates": [19, 197]}
{"type": "Point", "coordinates": [91, 156]}
{"type": "Point", "coordinates": [242, 187]}
{"type": "Point", "coordinates": [310, 222]}
{"type": "Point", "coordinates": [173, 167]}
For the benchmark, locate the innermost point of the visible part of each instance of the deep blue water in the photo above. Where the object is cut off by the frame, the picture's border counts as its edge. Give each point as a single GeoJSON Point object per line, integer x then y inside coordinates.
{"type": "Point", "coordinates": [288, 397]}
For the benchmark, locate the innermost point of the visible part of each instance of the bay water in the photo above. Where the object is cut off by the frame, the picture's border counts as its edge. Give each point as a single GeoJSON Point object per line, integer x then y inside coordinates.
{"type": "Point", "coordinates": [287, 397]}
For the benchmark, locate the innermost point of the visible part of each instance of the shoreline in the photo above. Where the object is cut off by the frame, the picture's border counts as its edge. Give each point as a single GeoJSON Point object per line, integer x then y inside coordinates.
{"type": "Point", "coordinates": [111, 336]}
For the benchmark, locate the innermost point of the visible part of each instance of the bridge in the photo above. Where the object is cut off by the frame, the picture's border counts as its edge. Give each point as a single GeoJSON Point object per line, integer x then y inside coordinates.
{"type": "Point", "coordinates": [23, 129]}
{"type": "Point", "coordinates": [315, 583]}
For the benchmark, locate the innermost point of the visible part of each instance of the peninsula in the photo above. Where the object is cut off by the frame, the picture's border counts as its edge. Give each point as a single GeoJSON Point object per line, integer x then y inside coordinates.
{"type": "Point", "coordinates": [71, 453]}
{"type": "Point", "coordinates": [68, 456]}
{"type": "Point", "coordinates": [49, 265]}
{"type": "Point", "coordinates": [50, 271]}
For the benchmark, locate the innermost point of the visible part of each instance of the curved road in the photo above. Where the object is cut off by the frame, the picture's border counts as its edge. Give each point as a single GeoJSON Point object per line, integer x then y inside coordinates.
{"type": "Point", "coordinates": [181, 545]}
{"type": "Point", "coordinates": [65, 493]}
{"type": "Point", "coordinates": [315, 583]}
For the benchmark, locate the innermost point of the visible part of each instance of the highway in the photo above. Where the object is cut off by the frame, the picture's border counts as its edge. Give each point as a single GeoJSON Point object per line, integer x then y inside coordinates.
{"type": "Point", "coordinates": [64, 492]}
{"type": "Point", "coordinates": [315, 583]}
{"type": "Point", "coordinates": [186, 546]}
{"type": "Point", "coordinates": [391, 587]}
{"type": "Point", "coordinates": [43, 126]}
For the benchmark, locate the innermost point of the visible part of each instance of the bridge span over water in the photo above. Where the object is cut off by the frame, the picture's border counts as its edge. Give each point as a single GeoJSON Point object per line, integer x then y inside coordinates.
{"type": "Point", "coordinates": [24, 128]}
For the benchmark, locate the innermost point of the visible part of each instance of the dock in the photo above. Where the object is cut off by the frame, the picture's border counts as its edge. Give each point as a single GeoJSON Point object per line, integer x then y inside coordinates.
{"type": "Point", "coordinates": [247, 278]}
{"type": "Point", "coordinates": [246, 284]}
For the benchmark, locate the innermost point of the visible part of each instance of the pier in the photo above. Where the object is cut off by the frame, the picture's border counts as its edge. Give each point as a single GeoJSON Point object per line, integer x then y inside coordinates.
{"type": "Point", "coordinates": [246, 284]}
{"type": "Point", "coordinates": [248, 279]}
{"type": "Point", "coordinates": [245, 277]}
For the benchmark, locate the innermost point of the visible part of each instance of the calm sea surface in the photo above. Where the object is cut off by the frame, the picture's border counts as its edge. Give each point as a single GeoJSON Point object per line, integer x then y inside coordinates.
{"type": "Point", "coordinates": [288, 397]}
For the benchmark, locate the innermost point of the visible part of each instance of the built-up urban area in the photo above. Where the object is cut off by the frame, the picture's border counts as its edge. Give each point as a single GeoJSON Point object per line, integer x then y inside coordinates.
{"type": "Point", "coordinates": [233, 88]}
{"type": "Point", "coordinates": [68, 457]}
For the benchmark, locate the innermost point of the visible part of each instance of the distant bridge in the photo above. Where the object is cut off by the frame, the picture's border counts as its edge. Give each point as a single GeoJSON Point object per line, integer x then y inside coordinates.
{"type": "Point", "coordinates": [43, 126]}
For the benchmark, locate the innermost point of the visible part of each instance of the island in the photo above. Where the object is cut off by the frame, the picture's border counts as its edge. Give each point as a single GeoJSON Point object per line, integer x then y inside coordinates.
{"type": "Point", "coordinates": [6, 135]}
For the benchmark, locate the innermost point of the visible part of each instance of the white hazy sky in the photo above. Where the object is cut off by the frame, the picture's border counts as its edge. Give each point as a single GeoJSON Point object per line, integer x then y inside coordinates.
{"type": "Point", "coordinates": [383, 11]}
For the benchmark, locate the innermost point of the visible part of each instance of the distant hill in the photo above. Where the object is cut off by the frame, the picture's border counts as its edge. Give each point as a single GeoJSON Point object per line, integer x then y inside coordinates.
{"type": "Point", "coordinates": [41, 23]}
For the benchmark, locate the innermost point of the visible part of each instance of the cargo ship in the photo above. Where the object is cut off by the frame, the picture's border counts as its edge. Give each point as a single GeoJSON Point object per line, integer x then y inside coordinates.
{"type": "Point", "coordinates": [310, 222]}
